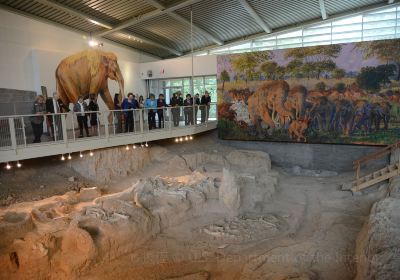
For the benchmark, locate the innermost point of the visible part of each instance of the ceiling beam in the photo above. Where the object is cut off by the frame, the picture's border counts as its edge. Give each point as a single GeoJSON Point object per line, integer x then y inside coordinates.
{"type": "Point", "coordinates": [323, 10]}
{"type": "Point", "coordinates": [391, 1]}
{"type": "Point", "coordinates": [146, 16]}
{"type": "Point", "coordinates": [255, 16]}
{"type": "Point", "coordinates": [180, 18]}
{"type": "Point", "coordinates": [104, 24]}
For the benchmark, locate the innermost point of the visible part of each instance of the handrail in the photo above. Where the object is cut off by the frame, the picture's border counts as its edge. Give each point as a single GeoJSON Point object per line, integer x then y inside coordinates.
{"type": "Point", "coordinates": [106, 111]}
{"type": "Point", "coordinates": [375, 155]}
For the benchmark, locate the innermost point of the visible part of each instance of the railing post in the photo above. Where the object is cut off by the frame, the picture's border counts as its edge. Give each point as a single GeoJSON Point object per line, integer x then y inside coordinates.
{"type": "Point", "coordinates": [23, 130]}
{"type": "Point", "coordinates": [64, 128]}
{"type": "Point", "coordinates": [169, 112]}
{"type": "Point", "coordinates": [12, 133]}
{"type": "Point", "coordinates": [106, 132]}
{"type": "Point", "coordinates": [141, 120]}
{"type": "Point", "coordinates": [358, 175]}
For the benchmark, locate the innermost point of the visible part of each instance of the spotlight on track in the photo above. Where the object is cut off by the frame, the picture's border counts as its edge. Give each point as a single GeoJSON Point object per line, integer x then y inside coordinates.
{"type": "Point", "coordinates": [127, 148]}
{"type": "Point", "coordinates": [80, 155]}
{"type": "Point", "coordinates": [19, 164]}
{"type": "Point", "coordinates": [62, 157]}
{"type": "Point", "coordinates": [8, 166]}
{"type": "Point", "coordinates": [134, 147]}
{"type": "Point", "coordinates": [146, 145]}
{"type": "Point", "coordinates": [69, 156]}
{"type": "Point", "coordinates": [91, 153]}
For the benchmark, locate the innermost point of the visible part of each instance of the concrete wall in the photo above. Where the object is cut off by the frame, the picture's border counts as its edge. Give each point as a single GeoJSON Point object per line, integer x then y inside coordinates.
{"type": "Point", "coordinates": [180, 67]}
{"type": "Point", "coordinates": [30, 51]}
{"type": "Point", "coordinates": [310, 156]}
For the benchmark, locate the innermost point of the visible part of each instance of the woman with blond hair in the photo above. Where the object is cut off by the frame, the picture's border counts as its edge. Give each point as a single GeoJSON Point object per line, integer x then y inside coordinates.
{"type": "Point", "coordinates": [39, 110]}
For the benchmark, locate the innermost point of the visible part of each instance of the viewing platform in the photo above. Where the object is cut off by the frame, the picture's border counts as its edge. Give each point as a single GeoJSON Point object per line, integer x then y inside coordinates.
{"type": "Point", "coordinates": [62, 136]}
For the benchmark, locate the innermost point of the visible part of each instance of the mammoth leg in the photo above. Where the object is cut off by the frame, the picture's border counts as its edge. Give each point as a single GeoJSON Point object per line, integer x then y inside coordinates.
{"type": "Point", "coordinates": [106, 96]}
{"type": "Point", "coordinates": [267, 119]}
{"type": "Point", "coordinates": [71, 91]}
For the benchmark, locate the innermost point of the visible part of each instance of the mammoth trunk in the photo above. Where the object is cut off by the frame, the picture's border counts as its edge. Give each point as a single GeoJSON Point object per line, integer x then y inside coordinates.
{"type": "Point", "coordinates": [120, 81]}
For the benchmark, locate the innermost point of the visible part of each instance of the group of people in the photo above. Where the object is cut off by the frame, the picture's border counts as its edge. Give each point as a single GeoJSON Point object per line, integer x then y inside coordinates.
{"type": "Point", "coordinates": [125, 114]}
{"type": "Point", "coordinates": [155, 107]}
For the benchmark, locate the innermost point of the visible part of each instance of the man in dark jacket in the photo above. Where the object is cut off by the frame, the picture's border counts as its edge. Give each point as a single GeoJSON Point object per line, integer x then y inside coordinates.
{"type": "Point", "coordinates": [188, 110]}
{"type": "Point", "coordinates": [128, 105]}
{"type": "Point", "coordinates": [160, 111]}
{"type": "Point", "coordinates": [205, 106]}
{"type": "Point", "coordinates": [80, 108]}
{"type": "Point", "coordinates": [175, 109]}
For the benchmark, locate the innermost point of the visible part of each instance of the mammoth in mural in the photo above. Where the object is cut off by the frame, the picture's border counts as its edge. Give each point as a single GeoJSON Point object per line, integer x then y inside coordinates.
{"type": "Point", "coordinates": [268, 103]}
{"type": "Point", "coordinates": [87, 73]}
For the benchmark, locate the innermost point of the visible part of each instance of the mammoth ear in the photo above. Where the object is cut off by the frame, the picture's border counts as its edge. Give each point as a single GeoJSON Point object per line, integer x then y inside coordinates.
{"type": "Point", "coordinates": [105, 60]}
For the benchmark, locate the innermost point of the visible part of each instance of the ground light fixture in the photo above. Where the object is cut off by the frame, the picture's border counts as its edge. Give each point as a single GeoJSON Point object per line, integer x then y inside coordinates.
{"type": "Point", "coordinates": [80, 155]}
{"type": "Point", "coordinates": [186, 138]}
{"type": "Point", "coordinates": [191, 137]}
{"type": "Point", "coordinates": [146, 145]}
{"type": "Point", "coordinates": [181, 139]}
{"type": "Point", "coordinates": [8, 166]}
{"type": "Point", "coordinates": [134, 147]}
{"type": "Point", "coordinates": [91, 153]}
{"type": "Point", "coordinates": [19, 164]}
{"type": "Point", "coordinates": [127, 147]}
{"type": "Point", "coordinates": [141, 145]}
{"type": "Point", "coordinates": [69, 156]}
{"type": "Point", "coordinates": [176, 140]}
{"type": "Point", "coordinates": [62, 157]}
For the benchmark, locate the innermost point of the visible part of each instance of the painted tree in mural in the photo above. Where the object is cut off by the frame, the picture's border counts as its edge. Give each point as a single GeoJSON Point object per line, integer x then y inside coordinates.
{"type": "Point", "coordinates": [371, 78]}
{"type": "Point", "coordinates": [246, 63]}
{"type": "Point", "coordinates": [338, 73]}
{"type": "Point", "coordinates": [313, 61]}
{"type": "Point", "coordinates": [388, 51]}
{"type": "Point", "coordinates": [224, 78]}
{"type": "Point", "coordinates": [272, 70]}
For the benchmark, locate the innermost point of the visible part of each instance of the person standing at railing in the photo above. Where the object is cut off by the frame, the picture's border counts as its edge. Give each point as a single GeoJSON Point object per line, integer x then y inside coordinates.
{"type": "Point", "coordinates": [188, 110]}
{"type": "Point", "coordinates": [175, 109]}
{"type": "Point", "coordinates": [196, 106]}
{"type": "Point", "coordinates": [160, 110]}
{"type": "Point", "coordinates": [55, 106]}
{"type": "Point", "coordinates": [151, 106]}
{"type": "Point", "coordinates": [39, 110]}
{"type": "Point", "coordinates": [80, 108]}
{"type": "Point", "coordinates": [94, 108]}
{"type": "Point", "coordinates": [205, 106]}
{"type": "Point", "coordinates": [129, 105]}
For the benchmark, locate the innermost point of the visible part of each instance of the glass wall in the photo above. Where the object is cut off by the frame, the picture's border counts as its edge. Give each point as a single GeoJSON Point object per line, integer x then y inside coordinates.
{"type": "Point", "coordinates": [200, 84]}
{"type": "Point", "coordinates": [377, 25]}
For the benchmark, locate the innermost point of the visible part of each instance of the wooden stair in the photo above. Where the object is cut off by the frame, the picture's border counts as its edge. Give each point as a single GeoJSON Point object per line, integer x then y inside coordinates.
{"type": "Point", "coordinates": [375, 177]}
{"type": "Point", "coordinates": [378, 176]}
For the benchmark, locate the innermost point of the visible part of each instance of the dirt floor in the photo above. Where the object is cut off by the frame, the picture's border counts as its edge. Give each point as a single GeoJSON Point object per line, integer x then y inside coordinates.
{"type": "Point", "coordinates": [306, 230]}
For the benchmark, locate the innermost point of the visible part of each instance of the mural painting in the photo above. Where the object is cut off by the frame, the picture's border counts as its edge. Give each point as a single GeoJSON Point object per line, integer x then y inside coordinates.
{"type": "Point", "coordinates": [343, 94]}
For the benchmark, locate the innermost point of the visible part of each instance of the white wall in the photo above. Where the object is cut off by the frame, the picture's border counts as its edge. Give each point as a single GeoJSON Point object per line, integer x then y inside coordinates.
{"type": "Point", "coordinates": [30, 51]}
{"type": "Point", "coordinates": [180, 67]}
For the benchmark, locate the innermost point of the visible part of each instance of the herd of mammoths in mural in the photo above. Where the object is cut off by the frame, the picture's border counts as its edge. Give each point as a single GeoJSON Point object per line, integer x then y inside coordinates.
{"type": "Point", "coordinates": [324, 94]}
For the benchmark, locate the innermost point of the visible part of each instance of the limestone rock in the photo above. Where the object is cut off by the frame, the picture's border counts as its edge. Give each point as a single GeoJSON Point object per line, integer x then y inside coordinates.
{"type": "Point", "coordinates": [88, 194]}
{"type": "Point", "coordinates": [14, 225]}
{"type": "Point", "coordinates": [378, 243]}
{"type": "Point", "coordinates": [203, 275]}
{"type": "Point", "coordinates": [250, 160]}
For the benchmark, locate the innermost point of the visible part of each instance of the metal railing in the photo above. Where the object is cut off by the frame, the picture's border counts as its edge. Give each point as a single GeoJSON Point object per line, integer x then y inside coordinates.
{"type": "Point", "coordinates": [23, 131]}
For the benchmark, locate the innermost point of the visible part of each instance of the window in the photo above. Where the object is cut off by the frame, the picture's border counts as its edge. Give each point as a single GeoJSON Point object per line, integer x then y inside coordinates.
{"type": "Point", "coordinates": [377, 25]}
{"type": "Point", "coordinates": [200, 84]}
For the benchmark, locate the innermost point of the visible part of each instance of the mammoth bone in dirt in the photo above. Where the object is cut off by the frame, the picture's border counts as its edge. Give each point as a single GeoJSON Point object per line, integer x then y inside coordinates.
{"type": "Point", "coordinates": [87, 73]}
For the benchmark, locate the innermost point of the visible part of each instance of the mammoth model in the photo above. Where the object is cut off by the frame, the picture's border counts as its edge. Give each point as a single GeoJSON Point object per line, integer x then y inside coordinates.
{"type": "Point", "coordinates": [87, 73]}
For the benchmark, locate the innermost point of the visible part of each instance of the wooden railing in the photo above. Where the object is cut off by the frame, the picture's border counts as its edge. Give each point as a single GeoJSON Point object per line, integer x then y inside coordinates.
{"type": "Point", "coordinates": [376, 155]}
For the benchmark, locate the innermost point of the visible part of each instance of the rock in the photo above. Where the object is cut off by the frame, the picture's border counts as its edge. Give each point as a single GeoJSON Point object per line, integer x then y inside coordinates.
{"type": "Point", "coordinates": [88, 194]}
{"type": "Point", "coordinates": [14, 225]}
{"type": "Point", "coordinates": [250, 160]}
{"type": "Point", "coordinates": [203, 275]}
{"type": "Point", "coordinates": [71, 179]}
{"type": "Point", "coordinates": [378, 243]}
